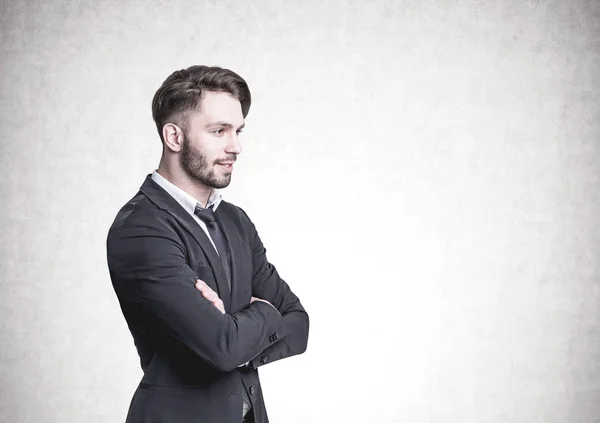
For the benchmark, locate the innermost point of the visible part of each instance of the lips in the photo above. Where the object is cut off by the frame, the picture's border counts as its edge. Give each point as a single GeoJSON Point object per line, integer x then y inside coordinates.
{"type": "Point", "coordinates": [226, 165]}
{"type": "Point", "coordinates": [227, 162]}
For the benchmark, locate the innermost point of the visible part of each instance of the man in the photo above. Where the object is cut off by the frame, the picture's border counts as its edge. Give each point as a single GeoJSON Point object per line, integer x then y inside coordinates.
{"type": "Point", "coordinates": [202, 302]}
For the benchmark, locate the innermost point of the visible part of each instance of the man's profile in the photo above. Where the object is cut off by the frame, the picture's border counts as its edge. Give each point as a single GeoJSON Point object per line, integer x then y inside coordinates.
{"type": "Point", "coordinates": [203, 304]}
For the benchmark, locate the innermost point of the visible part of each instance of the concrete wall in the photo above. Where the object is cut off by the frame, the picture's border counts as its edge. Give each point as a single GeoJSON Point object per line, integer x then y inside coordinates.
{"type": "Point", "coordinates": [425, 175]}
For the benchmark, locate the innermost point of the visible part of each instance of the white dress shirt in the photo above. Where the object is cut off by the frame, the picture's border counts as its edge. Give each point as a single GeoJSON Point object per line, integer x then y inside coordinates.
{"type": "Point", "coordinates": [188, 202]}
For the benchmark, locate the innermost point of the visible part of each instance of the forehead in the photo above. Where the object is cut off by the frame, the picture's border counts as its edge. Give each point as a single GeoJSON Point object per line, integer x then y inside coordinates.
{"type": "Point", "coordinates": [218, 107]}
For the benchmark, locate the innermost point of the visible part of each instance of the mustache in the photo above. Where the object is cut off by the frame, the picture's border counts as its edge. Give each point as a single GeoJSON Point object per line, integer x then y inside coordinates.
{"type": "Point", "coordinates": [231, 158]}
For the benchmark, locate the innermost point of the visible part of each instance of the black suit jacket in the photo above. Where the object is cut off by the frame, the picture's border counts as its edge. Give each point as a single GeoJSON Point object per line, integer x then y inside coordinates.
{"type": "Point", "coordinates": [189, 351]}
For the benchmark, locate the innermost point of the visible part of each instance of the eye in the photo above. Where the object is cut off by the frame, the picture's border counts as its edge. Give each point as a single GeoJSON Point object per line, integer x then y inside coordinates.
{"type": "Point", "coordinates": [239, 131]}
{"type": "Point", "coordinates": [219, 131]}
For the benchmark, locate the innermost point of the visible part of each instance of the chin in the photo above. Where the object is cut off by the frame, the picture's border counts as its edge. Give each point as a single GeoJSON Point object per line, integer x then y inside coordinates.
{"type": "Point", "coordinates": [223, 183]}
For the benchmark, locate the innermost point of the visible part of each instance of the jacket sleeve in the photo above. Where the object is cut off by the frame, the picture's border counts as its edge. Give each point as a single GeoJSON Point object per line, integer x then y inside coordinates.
{"type": "Point", "coordinates": [148, 268]}
{"type": "Point", "coordinates": [292, 337]}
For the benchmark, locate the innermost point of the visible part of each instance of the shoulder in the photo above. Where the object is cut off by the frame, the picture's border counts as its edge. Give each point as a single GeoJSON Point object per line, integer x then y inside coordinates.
{"type": "Point", "coordinates": [234, 212]}
{"type": "Point", "coordinates": [141, 215]}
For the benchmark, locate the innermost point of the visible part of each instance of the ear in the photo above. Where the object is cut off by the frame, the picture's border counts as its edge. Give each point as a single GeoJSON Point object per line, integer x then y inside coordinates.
{"type": "Point", "coordinates": [173, 136]}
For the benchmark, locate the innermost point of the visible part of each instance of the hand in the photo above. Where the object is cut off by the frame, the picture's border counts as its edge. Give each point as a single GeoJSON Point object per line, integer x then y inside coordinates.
{"type": "Point", "coordinates": [210, 295]}
{"type": "Point", "coordinates": [252, 299]}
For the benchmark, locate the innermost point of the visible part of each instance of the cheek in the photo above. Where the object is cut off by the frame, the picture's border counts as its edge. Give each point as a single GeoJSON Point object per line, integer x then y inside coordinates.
{"type": "Point", "coordinates": [212, 154]}
{"type": "Point", "coordinates": [209, 158]}
{"type": "Point", "coordinates": [214, 149]}
{"type": "Point", "coordinates": [208, 147]}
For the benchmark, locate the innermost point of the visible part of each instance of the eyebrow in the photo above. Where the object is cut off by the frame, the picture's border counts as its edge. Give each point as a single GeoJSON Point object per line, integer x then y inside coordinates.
{"type": "Point", "coordinates": [226, 124]}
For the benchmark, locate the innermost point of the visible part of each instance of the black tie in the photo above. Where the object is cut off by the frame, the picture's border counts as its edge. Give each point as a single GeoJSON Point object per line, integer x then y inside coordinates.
{"type": "Point", "coordinates": [208, 217]}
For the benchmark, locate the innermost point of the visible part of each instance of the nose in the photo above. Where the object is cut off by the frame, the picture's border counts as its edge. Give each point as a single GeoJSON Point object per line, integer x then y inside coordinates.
{"type": "Point", "coordinates": [234, 146]}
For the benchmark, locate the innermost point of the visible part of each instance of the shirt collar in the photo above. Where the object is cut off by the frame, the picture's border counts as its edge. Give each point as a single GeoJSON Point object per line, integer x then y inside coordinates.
{"type": "Point", "coordinates": [186, 200]}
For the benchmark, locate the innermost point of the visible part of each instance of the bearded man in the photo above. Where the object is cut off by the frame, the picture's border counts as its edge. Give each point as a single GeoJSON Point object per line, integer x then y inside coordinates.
{"type": "Point", "coordinates": [205, 307]}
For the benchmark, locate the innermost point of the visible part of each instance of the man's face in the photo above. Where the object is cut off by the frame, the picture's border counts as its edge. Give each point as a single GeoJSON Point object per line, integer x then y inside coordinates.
{"type": "Point", "coordinates": [211, 143]}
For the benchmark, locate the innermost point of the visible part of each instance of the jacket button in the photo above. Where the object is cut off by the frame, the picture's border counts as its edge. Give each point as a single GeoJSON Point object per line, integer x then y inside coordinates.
{"type": "Point", "coordinates": [251, 389]}
{"type": "Point", "coordinates": [265, 359]}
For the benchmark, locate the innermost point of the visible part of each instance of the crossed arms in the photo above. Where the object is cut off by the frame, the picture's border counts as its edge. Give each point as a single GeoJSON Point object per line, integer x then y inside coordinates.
{"type": "Point", "coordinates": [148, 267]}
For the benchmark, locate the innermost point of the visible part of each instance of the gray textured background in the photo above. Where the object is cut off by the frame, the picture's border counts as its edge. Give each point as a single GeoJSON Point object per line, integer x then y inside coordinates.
{"type": "Point", "coordinates": [451, 148]}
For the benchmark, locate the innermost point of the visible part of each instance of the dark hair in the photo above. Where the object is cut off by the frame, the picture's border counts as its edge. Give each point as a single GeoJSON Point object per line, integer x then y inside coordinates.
{"type": "Point", "coordinates": [183, 91]}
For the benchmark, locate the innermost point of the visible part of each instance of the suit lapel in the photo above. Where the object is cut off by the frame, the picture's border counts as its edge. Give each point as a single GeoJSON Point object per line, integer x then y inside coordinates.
{"type": "Point", "coordinates": [164, 201]}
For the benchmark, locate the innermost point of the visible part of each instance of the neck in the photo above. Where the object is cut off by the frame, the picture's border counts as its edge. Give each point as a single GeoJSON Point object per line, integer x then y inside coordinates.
{"type": "Point", "coordinates": [183, 181]}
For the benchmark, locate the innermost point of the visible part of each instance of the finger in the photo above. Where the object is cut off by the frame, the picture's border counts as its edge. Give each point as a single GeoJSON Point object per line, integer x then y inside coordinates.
{"type": "Point", "coordinates": [203, 287]}
{"type": "Point", "coordinates": [209, 295]}
{"type": "Point", "coordinates": [207, 292]}
{"type": "Point", "coordinates": [204, 291]}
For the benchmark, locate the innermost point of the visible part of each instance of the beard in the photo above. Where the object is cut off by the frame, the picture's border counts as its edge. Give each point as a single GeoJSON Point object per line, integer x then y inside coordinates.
{"type": "Point", "coordinates": [196, 165]}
